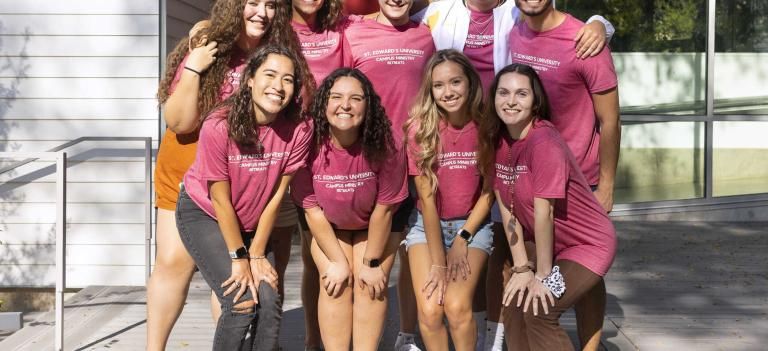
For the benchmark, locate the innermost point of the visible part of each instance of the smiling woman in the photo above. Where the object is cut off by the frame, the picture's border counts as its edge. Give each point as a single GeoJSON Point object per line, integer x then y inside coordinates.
{"type": "Point", "coordinates": [197, 78]}
{"type": "Point", "coordinates": [248, 151]}
{"type": "Point", "coordinates": [348, 193]}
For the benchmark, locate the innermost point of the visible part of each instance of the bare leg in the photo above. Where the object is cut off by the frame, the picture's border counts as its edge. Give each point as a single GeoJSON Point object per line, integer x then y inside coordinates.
{"type": "Point", "coordinates": [369, 315]}
{"type": "Point", "coordinates": [458, 308]}
{"type": "Point", "coordinates": [169, 283]}
{"type": "Point", "coordinates": [335, 313]}
{"type": "Point", "coordinates": [406, 298]}
{"type": "Point", "coordinates": [430, 313]}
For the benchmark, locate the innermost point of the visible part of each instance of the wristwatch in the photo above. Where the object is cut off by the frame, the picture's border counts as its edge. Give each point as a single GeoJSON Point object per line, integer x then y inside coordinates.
{"type": "Point", "coordinates": [466, 235]}
{"type": "Point", "coordinates": [373, 262]}
{"type": "Point", "coordinates": [240, 253]}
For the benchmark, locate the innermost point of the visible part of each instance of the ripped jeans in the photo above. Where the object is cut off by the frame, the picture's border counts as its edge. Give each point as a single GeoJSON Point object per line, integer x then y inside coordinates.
{"type": "Point", "coordinates": [253, 330]}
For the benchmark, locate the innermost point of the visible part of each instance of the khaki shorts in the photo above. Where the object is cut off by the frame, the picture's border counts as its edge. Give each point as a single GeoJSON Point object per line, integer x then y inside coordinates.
{"type": "Point", "coordinates": [286, 215]}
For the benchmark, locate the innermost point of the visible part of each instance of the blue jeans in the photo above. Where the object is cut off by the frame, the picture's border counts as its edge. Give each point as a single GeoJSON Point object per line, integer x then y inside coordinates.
{"type": "Point", "coordinates": [482, 240]}
{"type": "Point", "coordinates": [203, 239]}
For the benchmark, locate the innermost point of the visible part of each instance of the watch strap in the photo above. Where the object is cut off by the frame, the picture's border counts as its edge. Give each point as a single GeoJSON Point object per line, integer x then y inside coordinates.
{"type": "Point", "coordinates": [372, 262]}
{"type": "Point", "coordinates": [466, 235]}
{"type": "Point", "coordinates": [240, 253]}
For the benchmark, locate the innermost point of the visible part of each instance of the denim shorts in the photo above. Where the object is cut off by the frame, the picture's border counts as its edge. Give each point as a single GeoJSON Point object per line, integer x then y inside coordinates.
{"type": "Point", "coordinates": [482, 240]}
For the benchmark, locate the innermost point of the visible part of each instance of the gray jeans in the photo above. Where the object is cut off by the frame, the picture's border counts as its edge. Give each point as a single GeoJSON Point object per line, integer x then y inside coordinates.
{"type": "Point", "coordinates": [234, 331]}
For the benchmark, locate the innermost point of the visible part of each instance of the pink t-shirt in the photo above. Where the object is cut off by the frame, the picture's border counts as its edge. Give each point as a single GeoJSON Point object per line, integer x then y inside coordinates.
{"type": "Point", "coordinates": [570, 83]}
{"type": "Point", "coordinates": [347, 187]}
{"type": "Point", "coordinates": [252, 175]}
{"type": "Point", "coordinates": [393, 58]}
{"type": "Point", "coordinates": [541, 165]}
{"type": "Point", "coordinates": [479, 45]}
{"type": "Point", "coordinates": [324, 51]}
{"type": "Point", "coordinates": [458, 179]}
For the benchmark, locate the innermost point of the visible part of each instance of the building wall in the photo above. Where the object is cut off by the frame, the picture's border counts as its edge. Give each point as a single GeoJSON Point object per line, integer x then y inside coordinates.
{"type": "Point", "coordinates": [70, 69]}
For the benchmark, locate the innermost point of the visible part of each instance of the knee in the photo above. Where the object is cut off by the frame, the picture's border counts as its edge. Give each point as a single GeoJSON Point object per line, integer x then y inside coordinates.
{"type": "Point", "coordinates": [177, 263]}
{"type": "Point", "coordinates": [268, 297]}
{"type": "Point", "coordinates": [431, 316]}
{"type": "Point", "coordinates": [458, 312]}
{"type": "Point", "coordinates": [245, 307]}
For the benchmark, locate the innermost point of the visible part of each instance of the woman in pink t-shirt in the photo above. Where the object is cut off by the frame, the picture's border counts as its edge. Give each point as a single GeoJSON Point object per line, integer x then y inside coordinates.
{"type": "Point", "coordinates": [391, 50]}
{"type": "Point", "coordinates": [353, 183]}
{"type": "Point", "coordinates": [545, 201]}
{"type": "Point", "coordinates": [248, 150]}
{"type": "Point", "coordinates": [450, 235]}
{"type": "Point", "coordinates": [197, 77]}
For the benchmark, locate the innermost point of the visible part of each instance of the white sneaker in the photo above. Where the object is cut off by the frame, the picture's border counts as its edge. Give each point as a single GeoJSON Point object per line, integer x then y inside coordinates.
{"type": "Point", "coordinates": [406, 342]}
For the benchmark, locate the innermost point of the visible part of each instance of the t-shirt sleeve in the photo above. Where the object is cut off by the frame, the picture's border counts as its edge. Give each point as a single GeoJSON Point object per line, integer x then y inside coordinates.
{"type": "Point", "coordinates": [412, 154]}
{"type": "Point", "coordinates": [549, 167]}
{"type": "Point", "coordinates": [302, 189]}
{"type": "Point", "coordinates": [298, 155]}
{"type": "Point", "coordinates": [599, 72]}
{"type": "Point", "coordinates": [392, 180]}
{"type": "Point", "coordinates": [212, 149]}
{"type": "Point", "coordinates": [177, 75]}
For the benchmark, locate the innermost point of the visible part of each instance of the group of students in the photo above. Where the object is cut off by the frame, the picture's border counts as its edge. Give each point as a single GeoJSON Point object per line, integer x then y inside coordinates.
{"type": "Point", "coordinates": [476, 139]}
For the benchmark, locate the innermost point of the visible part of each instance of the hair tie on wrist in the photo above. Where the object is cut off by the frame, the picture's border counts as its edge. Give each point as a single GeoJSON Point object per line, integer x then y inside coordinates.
{"type": "Point", "coordinates": [192, 70]}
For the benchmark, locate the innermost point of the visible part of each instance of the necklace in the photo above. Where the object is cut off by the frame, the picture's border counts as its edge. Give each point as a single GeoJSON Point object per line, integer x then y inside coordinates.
{"type": "Point", "coordinates": [260, 139]}
{"type": "Point", "coordinates": [511, 188]}
{"type": "Point", "coordinates": [463, 128]}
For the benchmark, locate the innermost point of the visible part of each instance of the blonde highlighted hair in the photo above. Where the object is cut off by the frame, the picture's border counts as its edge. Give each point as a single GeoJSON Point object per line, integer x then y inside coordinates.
{"type": "Point", "coordinates": [424, 122]}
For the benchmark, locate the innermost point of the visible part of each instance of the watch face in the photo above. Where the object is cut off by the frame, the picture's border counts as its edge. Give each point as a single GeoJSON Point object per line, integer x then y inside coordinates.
{"type": "Point", "coordinates": [465, 235]}
{"type": "Point", "coordinates": [373, 263]}
{"type": "Point", "coordinates": [239, 253]}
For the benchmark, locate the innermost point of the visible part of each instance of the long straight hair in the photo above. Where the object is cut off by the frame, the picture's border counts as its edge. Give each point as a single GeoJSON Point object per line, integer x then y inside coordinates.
{"type": "Point", "coordinates": [491, 127]}
{"type": "Point", "coordinates": [424, 122]}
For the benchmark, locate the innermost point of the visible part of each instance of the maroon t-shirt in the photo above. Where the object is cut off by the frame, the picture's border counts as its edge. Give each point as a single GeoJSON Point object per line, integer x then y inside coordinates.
{"type": "Point", "coordinates": [252, 172]}
{"type": "Point", "coordinates": [570, 83]}
{"type": "Point", "coordinates": [541, 165]}
{"type": "Point", "coordinates": [458, 179]}
{"type": "Point", "coordinates": [393, 58]}
{"type": "Point", "coordinates": [324, 51]}
{"type": "Point", "coordinates": [347, 186]}
{"type": "Point", "coordinates": [479, 46]}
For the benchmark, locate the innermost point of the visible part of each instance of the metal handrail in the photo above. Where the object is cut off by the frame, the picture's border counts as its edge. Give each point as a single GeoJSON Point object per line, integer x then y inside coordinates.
{"type": "Point", "coordinates": [61, 211]}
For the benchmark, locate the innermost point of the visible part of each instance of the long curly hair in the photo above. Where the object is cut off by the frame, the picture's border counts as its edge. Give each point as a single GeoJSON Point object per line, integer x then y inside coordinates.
{"type": "Point", "coordinates": [226, 24]}
{"type": "Point", "coordinates": [376, 130]}
{"type": "Point", "coordinates": [241, 121]}
{"type": "Point", "coordinates": [424, 122]}
{"type": "Point", "coordinates": [491, 127]}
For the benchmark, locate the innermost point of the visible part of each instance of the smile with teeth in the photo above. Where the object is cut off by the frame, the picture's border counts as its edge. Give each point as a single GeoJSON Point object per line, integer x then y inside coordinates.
{"type": "Point", "coordinates": [274, 97]}
{"type": "Point", "coordinates": [343, 115]}
{"type": "Point", "coordinates": [451, 101]}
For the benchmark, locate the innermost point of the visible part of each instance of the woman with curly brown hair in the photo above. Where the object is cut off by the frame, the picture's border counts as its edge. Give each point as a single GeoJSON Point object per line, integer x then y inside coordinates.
{"type": "Point", "coordinates": [349, 191]}
{"type": "Point", "coordinates": [196, 79]}
{"type": "Point", "coordinates": [249, 149]}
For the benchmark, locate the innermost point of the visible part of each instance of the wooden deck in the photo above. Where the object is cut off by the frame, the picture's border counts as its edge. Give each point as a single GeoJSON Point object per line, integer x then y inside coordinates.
{"type": "Point", "coordinates": [674, 286]}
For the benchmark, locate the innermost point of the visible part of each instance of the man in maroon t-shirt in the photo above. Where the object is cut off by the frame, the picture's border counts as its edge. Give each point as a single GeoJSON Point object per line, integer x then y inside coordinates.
{"type": "Point", "coordinates": [585, 109]}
